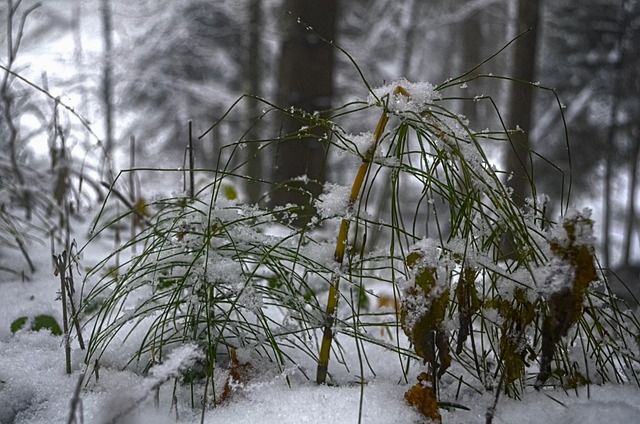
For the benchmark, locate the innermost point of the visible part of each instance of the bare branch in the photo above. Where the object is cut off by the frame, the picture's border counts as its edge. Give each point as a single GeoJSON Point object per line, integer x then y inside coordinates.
{"type": "Point", "coordinates": [23, 20]}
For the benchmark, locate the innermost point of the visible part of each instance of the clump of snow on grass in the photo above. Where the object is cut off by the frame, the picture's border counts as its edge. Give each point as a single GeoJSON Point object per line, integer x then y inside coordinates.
{"type": "Point", "coordinates": [361, 142]}
{"type": "Point", "coordinates": [576, 231]}
{"type": "Point", "coordinates": [251, 299]}
{"type": "Point", "coordinates": [334, 200]}
{"type": "Point", "coordinates": [224, 269]}
{"type": "Point", "coordinates": [420, 95]}
{"type": "Point", "coordinates": [556, 276]}
{"type": "Point", "coordinates": [583, 228]}
{"type": "Point", "coordinates": [450, 129]}
{"type": "Point", "coordinates": [432, 258]}
{"type": "Point", "coordinates": [321, 253]}
{"type": "Point", "coordinates": [179, 359]}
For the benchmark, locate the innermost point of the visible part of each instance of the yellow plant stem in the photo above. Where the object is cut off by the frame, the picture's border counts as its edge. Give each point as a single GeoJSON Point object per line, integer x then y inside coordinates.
{"type": "Point", "coordinates": [341, 243]}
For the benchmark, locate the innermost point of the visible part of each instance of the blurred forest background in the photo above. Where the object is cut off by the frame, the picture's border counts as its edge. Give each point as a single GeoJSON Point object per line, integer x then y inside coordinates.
{"type": "Point", "coordinates": [138, 72]}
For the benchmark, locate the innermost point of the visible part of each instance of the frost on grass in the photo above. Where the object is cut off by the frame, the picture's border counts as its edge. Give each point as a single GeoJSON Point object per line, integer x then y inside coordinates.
{"type": "Point", "coordinates": [582, 232]}
{"type": "Point", "coordinates": [356, 144]}
{"type": "Point", "coordinates": [570, 251]}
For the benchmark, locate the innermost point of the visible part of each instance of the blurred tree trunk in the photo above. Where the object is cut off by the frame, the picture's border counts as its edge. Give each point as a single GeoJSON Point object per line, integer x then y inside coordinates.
{"type": "Point", "coordinates": [76, 24]}
{"type": "Point", "coordinates": [631, 215]}
{"type": "Point", "coordinates": [252, 69]}
{"type": "Point", "coordinates": [520, 105]}
{"type": "Point", "coordinates": [619, 87]}
{"type": "Point", "coordinates": [471, 55]}
{"type": "Point", "coordinates": [305, 82]}
{"type": "Point", "coordinates": [520, 102]}
{"type": "Point", "coordinates": [410, 38]}
{"type": "Point", "coordinates": [107, 82]}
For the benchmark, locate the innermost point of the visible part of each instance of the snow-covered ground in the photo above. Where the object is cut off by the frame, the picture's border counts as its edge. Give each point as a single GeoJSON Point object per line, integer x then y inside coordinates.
{"type": "Point", "coordinates": [35, 389]}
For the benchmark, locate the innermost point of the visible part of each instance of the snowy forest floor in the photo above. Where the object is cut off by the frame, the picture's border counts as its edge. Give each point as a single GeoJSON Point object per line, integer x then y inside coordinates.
{"type": "Point", "coordinates": [35, 389]}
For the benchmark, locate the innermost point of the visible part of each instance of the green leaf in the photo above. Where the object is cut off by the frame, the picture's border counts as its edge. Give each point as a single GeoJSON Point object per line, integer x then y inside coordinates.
{"type": "Point", "coordinates": [40, 322]}
{"type": "Point", "coordinates": [18, 324]}
{"type": "Point", "coordinates": [47, 321]}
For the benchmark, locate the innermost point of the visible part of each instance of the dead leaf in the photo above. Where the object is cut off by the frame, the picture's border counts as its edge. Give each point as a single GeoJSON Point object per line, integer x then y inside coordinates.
{"type": "Point", "coordinates": [238, 373]}
{"type": "Point", "coordinates": [423, 397]}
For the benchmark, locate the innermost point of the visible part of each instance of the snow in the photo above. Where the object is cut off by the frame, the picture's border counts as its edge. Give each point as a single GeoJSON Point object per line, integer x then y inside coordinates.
{"type": "Point", "coordinates": [362, 142]}
{"type": "Point", "coordinates": [420, 95]}
{"type": "Point", "coordinates": [35, 389]}
{"type": "Point", "coordinates": [334, 200]}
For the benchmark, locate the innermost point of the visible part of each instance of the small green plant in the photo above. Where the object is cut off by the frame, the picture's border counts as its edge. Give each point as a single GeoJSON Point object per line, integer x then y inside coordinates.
{"type": "Point", "coordinates": [229, 276]}
{"type": "Point", "coordinates": [39, 322]}
{"type": "Point", "coordinates": [210, 273]}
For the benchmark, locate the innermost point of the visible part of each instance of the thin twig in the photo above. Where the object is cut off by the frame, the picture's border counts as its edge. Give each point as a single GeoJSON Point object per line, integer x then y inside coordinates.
{"type": "Point", "coordinates": [25, 253]}
{"type": "Point", "coordinates": [60, 270]}
{"type": "Point", "coordinates": [191, 163]}
{"type": "Point", "coordinates": [74, 313]}
{"type": "Point", "coordinates": [126, 202]}
{"type": "Point", "coordinates": [83, 121]}
{"type": "Point", "coordinates": [75, 410]}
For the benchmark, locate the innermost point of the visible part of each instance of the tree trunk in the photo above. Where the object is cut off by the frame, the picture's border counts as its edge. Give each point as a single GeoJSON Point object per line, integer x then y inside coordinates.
{"type": "Point", "coordinates": [305, 82]}
{"type": "Point", "coordinates": [520, 103]}
{"type": "Point", "coordinates": [410, 38]}
{"type": "Point", "coordinates": [631, 214]}
{"type": "Point", "coordinates": [252, 69]}
{"type": "Point", "coordinates": [107, 82]}
{"type": "Point", "coordinates": [471, 55]}
{"type": "Point", "coordinates": [608, 194]}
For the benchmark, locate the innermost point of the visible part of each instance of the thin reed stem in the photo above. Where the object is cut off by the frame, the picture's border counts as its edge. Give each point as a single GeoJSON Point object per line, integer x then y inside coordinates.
{"type": "Point", "coordinates": [341, 244]}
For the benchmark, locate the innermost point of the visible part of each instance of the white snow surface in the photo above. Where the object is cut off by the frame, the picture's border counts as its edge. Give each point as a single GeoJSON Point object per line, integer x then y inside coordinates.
{"type": "Point", "coordinates": [35, 389]}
